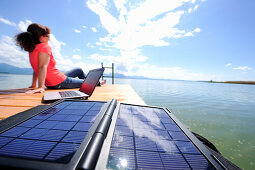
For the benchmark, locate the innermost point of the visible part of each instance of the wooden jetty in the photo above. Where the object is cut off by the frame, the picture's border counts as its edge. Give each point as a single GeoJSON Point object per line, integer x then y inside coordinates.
{"type": "Point", "coordinates": [14, 101]}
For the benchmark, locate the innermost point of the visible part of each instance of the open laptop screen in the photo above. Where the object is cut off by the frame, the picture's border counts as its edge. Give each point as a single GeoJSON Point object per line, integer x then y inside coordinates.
{"type": "Point", "coordinates": [91, 81]}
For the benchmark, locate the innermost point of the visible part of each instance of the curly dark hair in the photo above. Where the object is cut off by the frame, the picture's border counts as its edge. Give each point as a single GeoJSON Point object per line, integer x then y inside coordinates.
{"type": "Point", "coordinates": [28, 40]}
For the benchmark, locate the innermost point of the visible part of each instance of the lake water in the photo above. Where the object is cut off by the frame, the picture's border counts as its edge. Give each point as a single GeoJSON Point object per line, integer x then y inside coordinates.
{"type": "Point", "coordinates": [223, 113]}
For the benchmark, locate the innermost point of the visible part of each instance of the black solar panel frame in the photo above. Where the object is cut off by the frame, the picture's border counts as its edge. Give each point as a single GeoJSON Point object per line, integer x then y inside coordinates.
{"type": "Point", "coordinates": [21, 163]}
{"type": "Point", "coordinates": [103, 157]}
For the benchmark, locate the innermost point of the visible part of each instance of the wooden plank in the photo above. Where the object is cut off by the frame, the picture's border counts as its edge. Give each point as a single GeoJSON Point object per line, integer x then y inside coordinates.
{"type": "Point", "coordinates": [19, 103]}
{"type": "Point", "coordinates": [15, 100]}
{"type": "Point", "coordinates": [10, 111]}
{"type": "Point", "coordinates": [122, 93]}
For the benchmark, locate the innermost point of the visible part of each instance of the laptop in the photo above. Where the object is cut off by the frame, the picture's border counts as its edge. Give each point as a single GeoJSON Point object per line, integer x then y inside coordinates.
{"type": "Point", "coordinates": [85, 90]}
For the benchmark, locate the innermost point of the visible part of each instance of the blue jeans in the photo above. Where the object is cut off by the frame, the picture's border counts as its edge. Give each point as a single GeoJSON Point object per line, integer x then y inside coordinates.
{"type": "Point", "coordinates": [71, 81]}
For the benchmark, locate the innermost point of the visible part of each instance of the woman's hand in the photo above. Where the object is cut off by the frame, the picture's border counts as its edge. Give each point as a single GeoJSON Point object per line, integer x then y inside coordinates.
{"type": "Point", "coordinates": [39, 90]}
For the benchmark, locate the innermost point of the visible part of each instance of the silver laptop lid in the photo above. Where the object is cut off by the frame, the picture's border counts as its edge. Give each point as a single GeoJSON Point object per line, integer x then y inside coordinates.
{"type": "Point", "coordinates": [91, 81]}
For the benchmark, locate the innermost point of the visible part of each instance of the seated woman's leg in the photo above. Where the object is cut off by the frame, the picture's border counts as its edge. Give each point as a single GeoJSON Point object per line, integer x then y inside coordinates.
{"type": "Point", "coordinates": [76, 72]}
{"type": "Point", "coordinates": [68, 83]}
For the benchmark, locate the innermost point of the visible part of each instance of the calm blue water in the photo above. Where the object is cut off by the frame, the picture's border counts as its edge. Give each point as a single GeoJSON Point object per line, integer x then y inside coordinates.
{"type": "Point", "coordinates": [223, 113]}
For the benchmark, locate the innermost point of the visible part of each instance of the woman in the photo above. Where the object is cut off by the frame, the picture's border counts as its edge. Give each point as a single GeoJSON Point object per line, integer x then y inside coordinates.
{"type": "Point", "coordinates": [35, 41]}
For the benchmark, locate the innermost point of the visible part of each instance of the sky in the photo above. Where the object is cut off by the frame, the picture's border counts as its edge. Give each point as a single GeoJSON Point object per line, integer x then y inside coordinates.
{"type": "Point", "coordinates": [166, 39]}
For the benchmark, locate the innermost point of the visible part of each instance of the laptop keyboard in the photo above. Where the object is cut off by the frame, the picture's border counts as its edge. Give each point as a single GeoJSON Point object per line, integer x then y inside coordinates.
{"type": "Point", "coordinates": [68, 94]}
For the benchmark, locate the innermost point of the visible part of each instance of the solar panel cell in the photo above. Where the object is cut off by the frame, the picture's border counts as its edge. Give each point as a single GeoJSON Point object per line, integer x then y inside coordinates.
{"type": "Point", "coordinates": [148, 160]}
{"type": "Point", "coordinates": [121, 159]}
{"type": "Point", "coordinates": [30, 123]}
{"type": "Point", "coordinates": [74, 118]}
{"type": "Point", "coordinates": [167, 120]}
{"type": "Point", "coordinates": [174, 161]}
{"type": "Point", "coordinates": [88, 118]}
{"type": "Point", "coordinates": [53, 135]}
{"type": "Point", "coordinates": [47, 124]}
{"type": "Point", "coordinates": [92, 112]}
{"type": "Point", "coordinates": [178, 136]}
{"type": "Point", "coordinates": [74, 137]}
{"type": "Point", "coordinates": [37, 149]}
{"type": "Point", "coordinates": [123, 130]}
{"type": "Point", "coordinates": [15, 132]}
{"type": "Point", "coordinates": [82, 126]}
{"type": "Point", "coordinates": [4, 141]}
{"type": "Point", "coordinates": [171, 127]}
{"type": "Point", "coordinates": [16, 147]}
{"type": "Point", "coordinates": [161, 134]}
{"type": "Point", "coordinates": [64, 125]}
{"type": "Point", "coordinates": [34, 134]}
{"type": "Point", "coordinates": [167, 146]}
{"type": "Point", "coordinates": [123, 142]}
{"type": "Point", "coordinates": [197, 161]}
{"type": "Point", "coordinates": [145, 144]}
{"type": "Point", "coordinates": [62, 153]}
{"type": "Point", "coordinates": [187, 147]}
{"type": "Point", "coordinates": [58, 117]}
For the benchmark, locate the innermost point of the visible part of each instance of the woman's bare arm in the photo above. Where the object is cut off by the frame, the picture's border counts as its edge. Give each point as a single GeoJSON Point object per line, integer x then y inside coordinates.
{"type": "Point", "coordinates": [34, 81]}
{"type": "Point", "coordinates": [44, 59]}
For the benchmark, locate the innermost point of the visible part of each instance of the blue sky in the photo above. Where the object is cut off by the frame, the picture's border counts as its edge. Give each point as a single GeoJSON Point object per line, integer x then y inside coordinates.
{"type": "Point", "coordinates": [170, 39]}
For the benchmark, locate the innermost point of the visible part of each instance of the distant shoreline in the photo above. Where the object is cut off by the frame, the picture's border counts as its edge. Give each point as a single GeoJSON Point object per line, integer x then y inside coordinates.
{"type": "Point", "coordinates": [16, 73]}
{"type": "Point", "coordinates": [234, 82]}
{"type": "Point", "coordinates": [145, 78]}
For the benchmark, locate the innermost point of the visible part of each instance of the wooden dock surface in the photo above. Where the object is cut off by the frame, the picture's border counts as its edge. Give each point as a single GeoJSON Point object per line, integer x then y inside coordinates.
{"type": "Point", "coordinates": [15, 100]}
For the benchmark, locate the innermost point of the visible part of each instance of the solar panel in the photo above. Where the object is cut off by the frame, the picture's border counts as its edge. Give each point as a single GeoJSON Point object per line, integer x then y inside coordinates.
{"type": "Point", "coordinates": [148, 138]}
{"type": "Point", "coordinates": [53, 135]}
{"type": "Point", "coordinates": [76, 134]}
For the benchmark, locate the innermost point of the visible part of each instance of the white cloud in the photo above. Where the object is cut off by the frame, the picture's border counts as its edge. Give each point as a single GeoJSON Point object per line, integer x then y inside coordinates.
{"type": "Point", "coordinates": [22, 26]}
{"type": "Point", "coordinates": [93, 29]}
{"type": "Point", "coordinates": [243, 68]}
{"type": "Point", "coordinates": [11, 54]}
{"type": "Point", "coordinates": [192, 9]}
{"type": "Point", "coordinates": [84, 26]}
{"type": "Point", "coordinates": [139, 24]}
{"type": "Point", "coordinates": [229, 64]}
{"type": "Point", "coordinates": [197, 30]}
{"type": "Point", "coordinates": [149, 23]}
{"type": "Point", "coordinates": [104, 49]}
{"type": "Point", "coordinates": [76, 57]}
{"type": "Point", "coordinates": [76, 30]}
{"type": "Point", "coordinates": [99, 43]}
{"type": "Point", "coordinates": [107, 20]}
{"type": "Point", "coordinates": [5, 21]}
{"type": "Point", "coordinates": [66, 62]}
{"type": "Point", "coordinates": [90, 45]}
